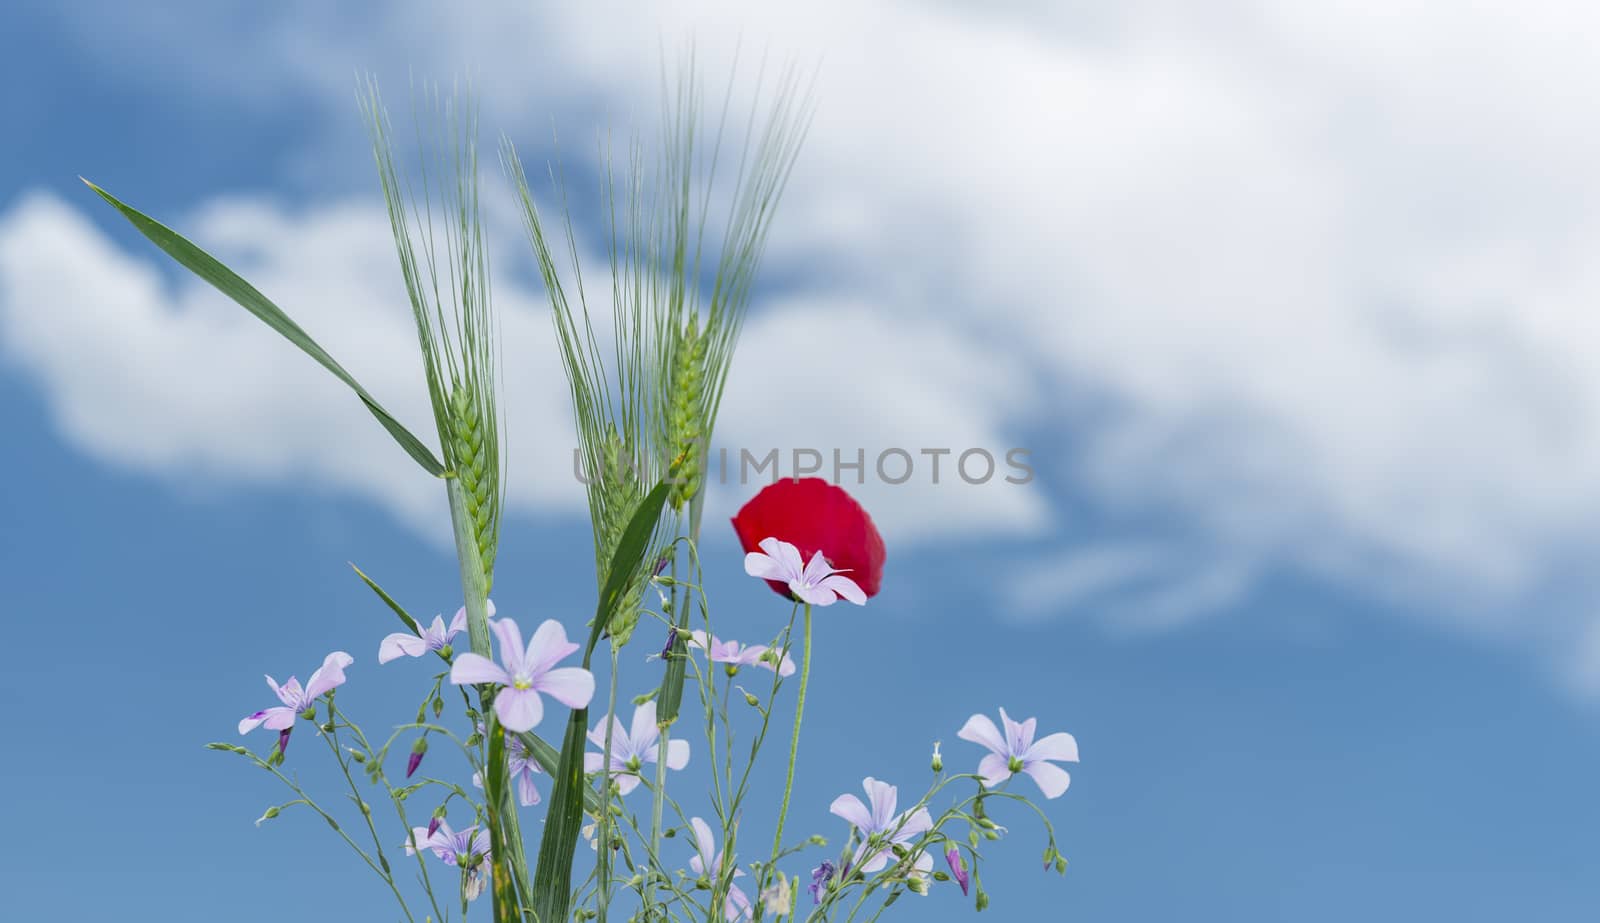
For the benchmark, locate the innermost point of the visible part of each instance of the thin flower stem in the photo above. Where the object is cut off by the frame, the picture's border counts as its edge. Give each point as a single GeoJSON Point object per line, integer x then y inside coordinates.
{"type": "Point", "coordinates": [307, 800]}
{"type": "Point", "coordinates": [399, 806]}
{"type": "Point", "coordinates": [794, 749]}
{"type": "Point", "coordinates": [603, 859]}
{"type": "Point", "coordinates": [657, 802]}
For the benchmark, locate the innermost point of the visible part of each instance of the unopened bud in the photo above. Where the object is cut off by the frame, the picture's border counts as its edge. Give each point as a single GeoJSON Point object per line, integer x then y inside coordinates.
{"type": "Point", "coordinates": [438, 706]}
{"type": "Point", "coordinates": [990, 835]}
{"type": "Point", "coordinates": [1061, 865]}
{"type": "Point", "coordinates": [417, 750]}
{"type": "Point", "coordinates": [356, 755]}
{"type": "Point", "coordinates": [938, 761]}
{"type": "Point", "coordinates": [983, 900]}
{"type": "Point", "coordinates": [751, 700]}
{"type": "Point", "coordinates": [817, 840]}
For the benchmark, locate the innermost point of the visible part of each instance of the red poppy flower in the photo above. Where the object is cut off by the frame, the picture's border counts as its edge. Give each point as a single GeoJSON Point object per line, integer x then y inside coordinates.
{"type": "Point", "coordinates": [814, 515]}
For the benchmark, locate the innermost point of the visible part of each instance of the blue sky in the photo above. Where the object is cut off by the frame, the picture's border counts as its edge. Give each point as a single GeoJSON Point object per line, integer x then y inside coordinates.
{"type": "Point", "coordinates": [1297, 338]}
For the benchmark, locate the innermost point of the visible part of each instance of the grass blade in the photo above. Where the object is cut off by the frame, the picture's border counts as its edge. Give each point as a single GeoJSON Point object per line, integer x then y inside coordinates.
{"type": "Point", "coordinates": [405, 616]}
{"type": "Point", "coordinates": [231, 284]}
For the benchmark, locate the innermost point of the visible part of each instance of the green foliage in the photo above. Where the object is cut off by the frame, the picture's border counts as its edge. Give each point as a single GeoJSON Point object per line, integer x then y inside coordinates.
{"type": "Point", "coordinates": [552, 879]}
{"type": "Point", "coordinates": [229, 283]}
{"type": "Point", "coordinates": [445, 266]}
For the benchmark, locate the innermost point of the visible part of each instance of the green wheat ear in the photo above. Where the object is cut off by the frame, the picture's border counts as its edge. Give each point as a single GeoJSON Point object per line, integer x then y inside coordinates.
{"type": "Point", "coordinates": [471, 453]}
{"type": "Point", "coordinates": [444, 259]}
{"type": "Point", "coordinates": [688, 421]}
{"type": "Point", "coordinates": [620, 496]}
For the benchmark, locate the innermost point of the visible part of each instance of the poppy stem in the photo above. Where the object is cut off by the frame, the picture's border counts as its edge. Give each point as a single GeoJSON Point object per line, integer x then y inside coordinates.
{"type": "Point", "coordinates": [794, 749]}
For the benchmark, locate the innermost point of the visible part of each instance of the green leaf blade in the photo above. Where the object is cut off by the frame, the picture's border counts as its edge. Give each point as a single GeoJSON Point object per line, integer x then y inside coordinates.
{"type": "Point", "coordinates": [230, 283]}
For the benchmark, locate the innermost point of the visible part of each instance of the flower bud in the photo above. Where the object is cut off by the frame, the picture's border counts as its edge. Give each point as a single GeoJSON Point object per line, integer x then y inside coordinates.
{"type": "Point", "coordinates": [356, 755]}
{"type": "Point", "coordinates": [438, 706]}
{"type": "Point", "coordinates": [417, 750]}
{"type": "Point", "coordinates": [751, 700]}
{"type": "Point", "coordinates": [917, 884]}
{"type": "Point", "coordinates": [990, 835]}
{"type": "Point", "coordinates": [1061, 865]}
{"type": "Point", "coordinates": [958, 866]}
{"type": "Point", "coordinates": [983, 900]}
{"type": "Point", "coordinates": [938, 761]}
{"type": "Point", "coordinates": [817, 840]}
{"type": "Point", "coordinates": [271, 813]}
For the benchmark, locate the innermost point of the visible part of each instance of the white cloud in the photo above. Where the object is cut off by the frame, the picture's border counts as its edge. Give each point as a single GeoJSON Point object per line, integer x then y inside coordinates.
{"type": "Point", "coordinates": [1310, 285]}
{"type": "Point", "coordinates": [175, 379]}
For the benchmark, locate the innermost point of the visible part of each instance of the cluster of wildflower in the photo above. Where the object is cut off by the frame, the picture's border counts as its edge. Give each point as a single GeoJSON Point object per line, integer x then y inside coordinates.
{"type": "Point", "coordinates": [891, 848]}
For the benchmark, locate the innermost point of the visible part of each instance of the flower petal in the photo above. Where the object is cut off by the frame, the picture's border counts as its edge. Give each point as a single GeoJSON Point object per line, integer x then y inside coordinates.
{"type": "Point", "coordinates": [916, 825]}
{"type": "Point", "coordinates": [458, 624]}
{"type": "Point", "coordinates": [787, 556]}
{"type": "Point", "coordinates": [571, 686]}
{"type": "Point", "coordinates": [705, 846]}
{"type": "Point", "coordinates": [594, 762]}
{"type": "Point", "coordinates": [519, 709]}
{"type": "Point", "coordinates": [1019, 734]}
{"type": "Point", "coordinates": [846, 588]}
{"type": "Point", "coordinates": [1055, 747]}
{"type": "Point", "coordinates": [1052, 779]}
{"type": "Point", "coordinates": [401, 644]}
{"type": "Point", "coordinates": [276, 718]}
{"type": "Point", "coordinates": [511, 650]}
{"type": "Point", "coordinates": [870, 861]}
{"type": "Point", "coordinates": [643, 733]}
{"type": "Point", "coordinates": [815, 595]}
{"type": "Point", "coordinates": [815, 569]}
{"type": "Point", "coordinates": [548, 646]}
{"type": "Point", "coordinates": [884, 798]}
{"type": "Point", "coordinates": [626, 782]}
{"type": "Point", "coordinates": [677, 754]}
{"type": "Point", "coordinates": [981, 730]}
{"type": "Point", "coordinates": [995, 770]}
{"type": "Point", "coordinates": [737, 906]}
{"type": "Point", "coordinates": [853, 811]}
{"type": "Point", "coordinates": [527, 793]}
{"type": "Point", "coordinates": [764, 566]}
{"type": "Point", "coordinates": [470, 669]}
{"type": "Point", "coordinates": [329, 675]}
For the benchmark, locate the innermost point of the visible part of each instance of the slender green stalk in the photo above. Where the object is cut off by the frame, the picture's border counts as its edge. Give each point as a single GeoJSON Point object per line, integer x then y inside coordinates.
{"type": "Point", "coordinates": [603, 831]}
{"type": "Point", "coordinates": [794, 749]}
{"type": "Point", "coordinates": [505, 832]}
